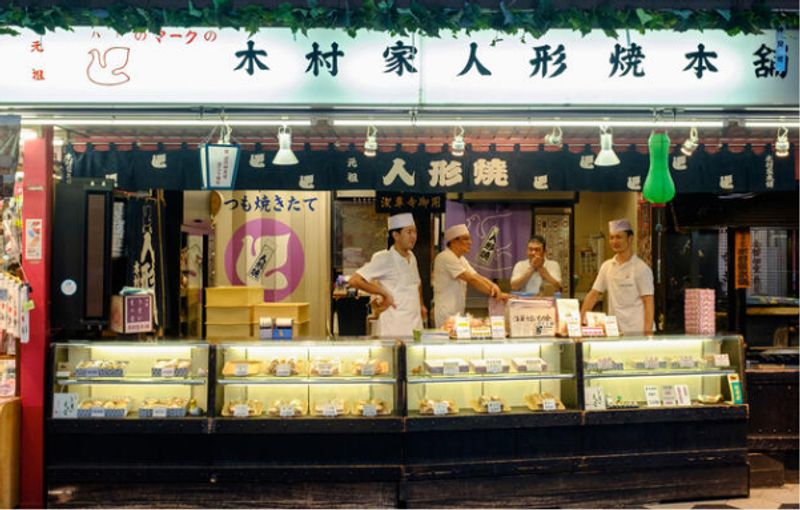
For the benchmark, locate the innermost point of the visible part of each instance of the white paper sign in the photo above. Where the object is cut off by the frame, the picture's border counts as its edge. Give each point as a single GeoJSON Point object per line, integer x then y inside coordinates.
{"type": "Point", "coordinates": [463, 331]}
{"type": "Point", "coordinates": [574, 327]}
{"type": "Point", "coordinates": [549, 404]}
{"type": "Point", "coordinates": [65, 405]}
{"type": "Point", "coordinates": [498, 327]}
{"type": "Point", "coordinates": [612, 328]}
{"type": "Point", "coordinates": [450, 368]}
{"type": "Point", "coordinates": [369, 410]}
{"type": "Point", "coordinates": [241, 411]}
{"type": "Point", "coordinates": [651, 395]}
{"type": "Point", "coordinates": [240, 370]}
{"type": "Point", "coordinates": [651, 363]}
{"type": "Point", "coordinates": [668, 395]}
{"type": "Point", "coordinates": [325, 369]}
{"type": "Point", "coordinates": [286, 411]}
{"type": "Point", "coordinates": [722, 360]}
{"type": "Point", "coordinates": [98, 412]}
{"type": "Point", "coordinates": [329, 410]}
{"type": "Point", "coordinates": [595, 398]}
{"type": "Point", "coordinates": [494, 406]}
{"type": "Point", "coordinates": [368, 369]}
{"type": "Point", "coordinates": [440, 408]}
{"type": "Point", "coordinates": [494, 366]}
{"type": "Point", "coordinates": [283, 370]}
{"type": "Point", "coordinates": [686, 362]}
{"type": "Point", "coordinates": [168, 372]}
{"type": "Point", "coordinates": [159, 412]}
{"type": "Point", "coordinates": [682, 393]}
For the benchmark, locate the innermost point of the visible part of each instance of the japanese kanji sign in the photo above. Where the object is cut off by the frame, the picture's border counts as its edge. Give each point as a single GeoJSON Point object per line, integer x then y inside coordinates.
{"type": "Point", "coordinates": [327, 67]}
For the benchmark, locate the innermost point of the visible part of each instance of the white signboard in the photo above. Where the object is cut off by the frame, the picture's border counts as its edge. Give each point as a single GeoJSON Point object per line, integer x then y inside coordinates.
{"type": "Point", "coordinates": [327, 67]}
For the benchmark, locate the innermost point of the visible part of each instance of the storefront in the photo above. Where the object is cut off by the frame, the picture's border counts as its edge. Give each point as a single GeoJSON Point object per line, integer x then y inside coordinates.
{"type": "Point", "coordinates": [215, 412]}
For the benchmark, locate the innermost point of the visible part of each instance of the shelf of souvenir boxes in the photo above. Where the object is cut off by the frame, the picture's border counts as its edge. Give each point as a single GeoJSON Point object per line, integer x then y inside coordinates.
{"type": "Point", "coordinates": [695, 374]}
{"type": "Point", "coordinates": [302, 385]}
{"type": "Point", "coordinates": [130, 380]}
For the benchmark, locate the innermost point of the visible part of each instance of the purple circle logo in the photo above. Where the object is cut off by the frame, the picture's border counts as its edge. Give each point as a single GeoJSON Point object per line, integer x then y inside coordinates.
{"type": "Point", "coordinates": [267, 253]}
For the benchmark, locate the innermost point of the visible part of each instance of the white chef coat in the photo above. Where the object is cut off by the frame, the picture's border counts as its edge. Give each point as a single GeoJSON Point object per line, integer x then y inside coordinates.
{"type": "Point", "coordinates": [449, 293]}
{"type": "Point", "coordinates": [400, 276]}
{"type": "Point", "coordinates": [626, 283]}
{"type": "Point", "coordinates": [534, 283]}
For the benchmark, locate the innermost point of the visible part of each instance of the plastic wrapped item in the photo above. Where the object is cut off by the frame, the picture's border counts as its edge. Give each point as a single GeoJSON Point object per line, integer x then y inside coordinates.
{"type": "Point", "coordinates": [533, 364]}
{"type": "Point", "coordinates": [541, 402]}
{"type": "Point", "coordinates": [172, 368]}
{"type": "Point", "coordinates": [287, 408]}
{"type": "Point", "coordinates": [163, 408]}
{"type": "Point", "coordinates": [372, 407]}
{"type": "Point", "coordinates": [446, 366]}
{"type": "Point", "coordinates": [101, 368]}
{"type": "Point", "coordinates": [285, 367]}
{"type": "Point", "coordinates": [97, 408]}
{"type": "Point", "coordinates": [370, 367]}
{"type": "Point", "coordinates": [326, 367]}
{"type": "Point", "coordinates": [437, 406]}
{"type": "Point", "coordinates": [330, 408]}
{"type": "Point", "coordinates": [243, 408]}
{"type": "Point", "coordinates": [490, 404]}
{"type": "Point", "coordinates": [490, 366]}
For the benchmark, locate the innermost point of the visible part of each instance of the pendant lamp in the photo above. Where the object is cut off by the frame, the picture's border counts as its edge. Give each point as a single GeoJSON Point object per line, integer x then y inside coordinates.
{"type": "Point", "coordinates": [285, 156]}
{"type": "Point", "coordinates": [658, 187]}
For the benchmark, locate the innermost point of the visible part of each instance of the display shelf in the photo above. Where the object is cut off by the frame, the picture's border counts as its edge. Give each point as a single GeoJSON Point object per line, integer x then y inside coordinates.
{"type": "Point", "coordinates": [696, 412]}
{"type": "Point", "coordinates": [306, 380]}
{"type": "Point", "coordinates": [518, 417]}
{"type": "Point", "coordinates": [156, 381]}
{"type": "Point", "coordinates": [428, 379]}
{"type": "Point", "coordinates": [308, 425]}
{"type": "Point", "coordinates": [616, 374]}
{"type": "Point", "coordinates": [131, 424]}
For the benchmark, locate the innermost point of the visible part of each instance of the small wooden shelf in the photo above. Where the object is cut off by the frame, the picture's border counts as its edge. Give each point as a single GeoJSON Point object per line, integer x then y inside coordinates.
{"type": "Point", "coordinates": [777, 311]}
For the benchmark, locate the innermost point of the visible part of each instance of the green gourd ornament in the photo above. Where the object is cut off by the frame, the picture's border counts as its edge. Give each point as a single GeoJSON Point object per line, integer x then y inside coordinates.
{"type": "Point", "coordinates": [658, 187]}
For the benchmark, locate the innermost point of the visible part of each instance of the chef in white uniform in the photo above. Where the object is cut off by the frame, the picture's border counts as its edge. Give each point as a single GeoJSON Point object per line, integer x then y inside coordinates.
{"type": "Point", "coordinates": [393, 276]}
{"type": "Point", "coordinates": [627, 280]}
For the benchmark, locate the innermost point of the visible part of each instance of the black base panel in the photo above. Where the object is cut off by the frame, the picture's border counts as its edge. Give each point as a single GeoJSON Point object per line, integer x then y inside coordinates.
{"type": "Point", "coordinates": [470, 420]}
{"type": "Point", "coordinates": [341, 425]}
{"type": "Point", "coordinates": [130, 426]}
{"type": "Point", "coordinates": [666, 414]}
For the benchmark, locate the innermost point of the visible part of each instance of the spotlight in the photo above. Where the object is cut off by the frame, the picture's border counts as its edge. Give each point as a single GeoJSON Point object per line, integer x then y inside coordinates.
{"type": "Point", "coordinates": [782, 142]}
{"type": "Point", "coordinates": [371, 143]}
{"type": "Point", "coordinates": [691, 143]}
{"type": "Point", "coordinates": [285, 156]}
{"type": "Point", "coordinates": [554, 139]}
{"type": "Point", "coordinates": [606, 157]}
{"type": "Point", "coordinates": [457, 146]}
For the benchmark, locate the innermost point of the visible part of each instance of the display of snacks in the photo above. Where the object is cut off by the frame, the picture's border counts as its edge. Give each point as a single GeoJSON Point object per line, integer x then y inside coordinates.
{"type": "Point", "coordinates": [243, 408]}
{"type": "Point", "coordinates": [602, 364]}
{"type": "Point", "coordinates": [163, 408]}
{"type": "Point", "coordinates": [649, 363]}
{"type": "Point", "coordinates": [370, 367]}
{"type": "Point", "coordinates": [241, 368]}
{"type": "Point", "coordinates": [490, 366]}
{"type": "Point", "coordinates": [97, 408]}
{"type": "Point", "coordinates": [372, 407]}
{"type": "Point", "coordinates": [534, 364]}
{"type": "Point", "coordinates": [101, 368]}
{"type": "Point", "coordinates": [709, 399]}
{"type": "Point", "coordinates": [171, 368]}
{"type": "Point", "coordinates": [437, 406]}
{"type": "Point", "coordinates": [326, 367]}
{"type": "Point", "coordinates": [539, 402]}
{"type": "Point", "coordinates": [490, 404]}
{"type": "Point", "coordinates": [330, 408]}
{"type": "Point", "coordinates": [621, 404]}
{"type": "Point", "coordinates": [287, 408]}
{"type": "Point", "coordinates": [285, 367]}
{"type": "Point", "coordinates": [446, 366]}
{"type": "Point", "coordinates": [686, 362]}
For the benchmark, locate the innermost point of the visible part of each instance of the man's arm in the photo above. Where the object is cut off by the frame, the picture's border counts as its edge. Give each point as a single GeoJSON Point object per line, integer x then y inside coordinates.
{"type": "Point", "coordinates": [519, 281]}
{"type": "Point", "coordinates": [481, 283]}
{"type": "Point", "coordinates": [357, 281]}
{"type": "Point", "coordinates": [588, 303]}
{"type": "Point", "coordinates": [649, 314]}
{"type": "Point", "coordinates": [552, 280]}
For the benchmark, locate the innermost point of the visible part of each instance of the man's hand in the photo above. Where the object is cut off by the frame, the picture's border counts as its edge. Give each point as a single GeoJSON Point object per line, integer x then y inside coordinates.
{"type": "Point", "coordinates": [537, 261]}
{"type": "Point", "coordinates": [423, 312]}
{"type": "Point", "coordinates": [494, 290]}
{"type": "Point", "coordinates": [385, 300]}
{"type": "Point", "coordinates": [503, 297]}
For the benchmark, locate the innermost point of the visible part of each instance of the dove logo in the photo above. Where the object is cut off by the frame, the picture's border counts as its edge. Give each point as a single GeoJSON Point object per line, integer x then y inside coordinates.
{"type": "Point", "coordinates": [159, 161]}
{"type": "Point", "coordinates": [106, 69]}
{"type": "Point", "coordinates": [634, 182]}
{"type": "Point", "coordinates": [726, 182]}
{"type": "Point", "coordinates": [679, 162]}
{"type": "Point", "coordinates": [267, 253]}
{"type": "Point", "coordinates": [587, 161]}
{"type": "Point", "coordinates": [257, 160]}
{"type": "Point", "coordinates": [306, 182]}
{"type": "Point", "coordinates": [540, 182]}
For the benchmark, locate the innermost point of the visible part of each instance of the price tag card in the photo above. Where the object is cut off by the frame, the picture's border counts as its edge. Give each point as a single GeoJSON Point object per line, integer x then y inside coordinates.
{"type": "Point", "coordinates": [98, 412]}
{"type": "Point", "coordinates": [368, 369]}
{"type": "Point", "coordinates": [612, 328]}
{"type": "Point", "coordinates": [498, 327]}
{"type": "Point", "coordinates": [494, 366]}
{"type": "Point", "coordinates": [240, 369]}
{"type": "Point", "coordinates": [463, 331]}
{"type": "Point", "coordinates": [168, 372]}
{"type": "Point", "coordinates": [329, 410]}
{"type": "Point", "coordinates": [686, 362]}
{"type": "Point", "coordinates": [63, 374]}
{"type": "Point", "coordinates": [682, 395]}
{"type": "Point", "coordinates": [494, 406]}
{"type": "Point", "coordinates": [549, 404]}
{"type": "Point", "coordinates": [651, 395]}
{"type": "Point", "coordinates": [651, 363]}
{"type": "Point", "coordinates": [450, 368]}
{"type": "Point", "coordinates": [605, 364]}
{"type": "Point", "coordinates": [595, 398]}
{"type": "Point", "coordinates": [91, 372]}
{"type": "Point", "coordinates": [574, 327]}
{"type": "Point", "coordinates": [286, 411]}
{"type": "Point", "coordinates": [668, 395]}
{"type": "Point", "coordinates": [241, 411]}
{"type": "Point", "coordinates": [159, 412]}
{"type": "Point", "coordinates": [369, 410]}
{"type": "Point", "coordinates": [440, 408]}
{"type": "Point", "coordinates": [283, 370]}
{"type": "Point", "coordinates": [722, 360]}
{"type": "Point", "coordinates": [65, 405]}
{"type": "Point", "coordinates": [325, 369]}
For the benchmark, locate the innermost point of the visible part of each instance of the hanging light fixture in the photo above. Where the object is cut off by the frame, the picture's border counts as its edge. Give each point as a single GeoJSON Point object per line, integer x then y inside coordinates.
{"type": "Point", "coordinates": [659, 188]}
{"type": "Point", "coordinates": [285, 156]}
{"type": "Point", "coordinates": [691, 143]}
{"type": "Point", "coordinates": [371, 143]}
{"type": "Point", "coordinates": [782, 142]}
{"type": "Point", "coordinates": [606, 157]}
{"type": "Point", "coordinates": [458, 145]}
{"type": "Point", "coordinates": [554, 139]}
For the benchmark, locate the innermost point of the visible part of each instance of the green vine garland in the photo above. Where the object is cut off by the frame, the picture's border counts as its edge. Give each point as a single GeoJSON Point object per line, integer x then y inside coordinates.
{"type": "Point", "coordinates": [384, 16]}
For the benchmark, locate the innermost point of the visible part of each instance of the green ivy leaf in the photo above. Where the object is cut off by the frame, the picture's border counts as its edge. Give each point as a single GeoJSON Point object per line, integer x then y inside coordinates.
{"type": "Point", "coordinates": [644, 17]}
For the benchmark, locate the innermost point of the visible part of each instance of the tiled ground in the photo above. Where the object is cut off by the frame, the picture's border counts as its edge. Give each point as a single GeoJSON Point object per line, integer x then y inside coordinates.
{"type": "Point", "coordinates": [787, 496]}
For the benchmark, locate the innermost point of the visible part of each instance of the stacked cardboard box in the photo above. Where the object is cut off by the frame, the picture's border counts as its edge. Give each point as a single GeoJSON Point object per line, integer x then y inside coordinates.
{"type": "Point", "coordinates": [698, 312]}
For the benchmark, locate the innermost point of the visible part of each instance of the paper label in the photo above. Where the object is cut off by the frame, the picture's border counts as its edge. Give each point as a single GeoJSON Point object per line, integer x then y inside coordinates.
{"type": "Point", "coordinates": [329, 410]}
{"type": "Point", "coordinates": [682, 395]}
{"type": "Point", "coordinates": [168, 372]}
{"type": "Point", "coordinates": [440, 408]}
{"type": "Point", "coordinates": [685, 362]}
{"type": "Point", "coordinates": [283, 370]}
{"type": "Point", "coordinates": [651, 363]}
{"type": "Point", "coordinates": [91, 372]}
{"type": "Point", "coordinates": [462, 328]}
{"type": "Point", "coordinates": [159, 412]}
{"type": "Point", "coordinates": [651, 395]}
{"type": "Point", "coordinates": [325, 369]}
{"type": "Point", "coordinates": [535, 365]}
{"type": "Point", "coordinates": [369, 410]}
{"type": "Point", "coordinates": [494, 366]}
{"type": "Point", "coordinates": [574, 327]}
{"type": "Point", "coordinates": [368, 369]}
{"type": "Point", "coordinates": [286, 411]}
{"type": "Point", "coordinates": [612, 328]}
{"type": "Point", "coordinates": [494, 406]}
{"type": "Point", "coordinates": [498, 327]}
{"type": "Point", "coordinates": [605, 364]}
{"type": "Point", "coordinates": [450, 368]}
{"type": "Point", "coordinates": [595, 398]}
{"type": "Point", "coordinates": [549, 404]}
{"type": "Point", "coordinates": [737, 397]}
{"type": "Point", "coordinates": [668, 395]}
{"type": "Point", "coordinates": [240, 370]}
{"type": "Point", "coordinates": [65, 405]}
{"type": "Point", "coordinates": [98, 412]}
{"type": "Point", "coordinates": [722, 360]}
{"type": "Point", "coordinates": [241, 411]}
{"type": "Point", "coordinates": [63, 374]}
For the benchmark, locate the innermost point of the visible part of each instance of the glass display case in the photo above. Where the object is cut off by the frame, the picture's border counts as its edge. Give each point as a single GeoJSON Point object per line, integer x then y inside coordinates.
{"type": "Point", "coordinates": [661, 371]}
{"type": "Point", "coordinates": [487, 377]}
{"type": "Point", "coordinates": [95, 379]}
{"type": "Point", "coordinates": [326, 379]}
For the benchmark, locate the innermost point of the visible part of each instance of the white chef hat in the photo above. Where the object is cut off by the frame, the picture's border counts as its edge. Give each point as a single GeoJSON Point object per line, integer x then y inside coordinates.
{"type": "Point", "coordinates": [455, 231]}
{"type": "Point", "coordinates": [619, 225]}
{"type": "Point", "coordinates": [401, 220]}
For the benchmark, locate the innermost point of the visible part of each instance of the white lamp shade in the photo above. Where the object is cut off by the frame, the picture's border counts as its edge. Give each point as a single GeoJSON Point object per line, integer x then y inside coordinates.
{"type": "Point", "coordinates": [782, 143]}
{"type": "Point", "coordinates": [371, 147]}
{"type": "Point", "coordinates": [285, 156]}
{"type": "Point", "coordinates": [606, 157]}
{"type": "Point", "coordinates": [458, 146]}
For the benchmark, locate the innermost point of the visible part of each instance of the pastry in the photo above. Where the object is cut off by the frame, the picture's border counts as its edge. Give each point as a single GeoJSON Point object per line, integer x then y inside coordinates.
{"type": "Point", "coordinates": [100, 368]}
{"type": "Point", "coordinates": [431, 406]}
{"type": "Point", "coordinates": [490, 404]}
{"type": "Point", "coordinates": [379, 406]}
{"type": "Point", "coordinates": [709, 399]}
{"type": "Point", "coordinates": [532, 364]}
{"type": "Point", "coordinates": [178, 367]}
{"type": "Point", "coordinates": [284, 367]}
{"type": "Point", "coordinates": [254, 407]}
{"type": "Point", "coordinates": [481, 366]}
{"type": "Point", "coordinates": [535, 401]}
{"type": "Point", "coordinates": [335, 407]}
{"type": "Point", "coordinates": [287, 408]}
{"type": "Point", "coordinates": [370, 367]}
{"type": "Point", "coordinates": [437, 366]}
{"type": "Point", "coordinates": [325, 367]}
